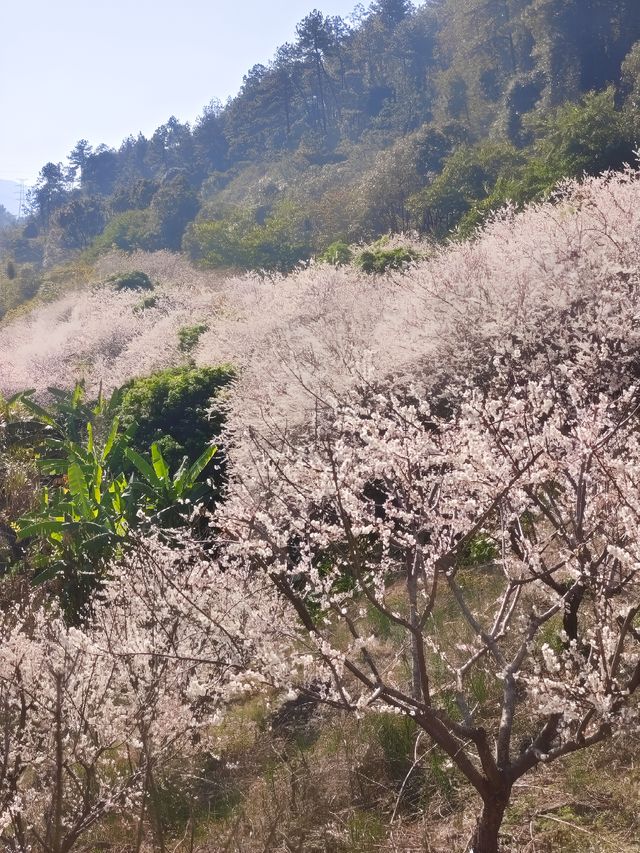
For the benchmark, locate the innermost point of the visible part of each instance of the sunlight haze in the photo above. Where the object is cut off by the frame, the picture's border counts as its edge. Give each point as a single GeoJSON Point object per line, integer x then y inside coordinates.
{"type": "Point", "coordinates": [71, 70]}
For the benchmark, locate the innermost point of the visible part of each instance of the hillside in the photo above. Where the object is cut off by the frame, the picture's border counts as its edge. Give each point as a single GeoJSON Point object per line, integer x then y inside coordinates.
{"type": "Point", "coordinates": [402, 119]}
{"type": "Point", "coordinates": [320, 454]}
{"type": "Point", "coordinates": [455, 408]}
{"type": "Point", "coordinates": [330, 328]}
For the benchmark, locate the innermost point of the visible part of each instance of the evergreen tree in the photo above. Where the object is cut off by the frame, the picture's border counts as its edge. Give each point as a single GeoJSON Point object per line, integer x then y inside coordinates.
{"type": "Point", "coordinates": [49, 192]}
{"type": "Point", "coordinates": [315, 43]}
{"type": "Point", "coordinates": [391, 12]}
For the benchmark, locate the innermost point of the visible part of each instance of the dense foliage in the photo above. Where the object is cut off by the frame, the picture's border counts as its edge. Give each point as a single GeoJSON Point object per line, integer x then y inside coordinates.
{"type": "Point", "coordinates": [101, 473]}
{"type": "Point", "coordinates": [175, 408]}
{"type": "Point", "coordinates": [401, 117]}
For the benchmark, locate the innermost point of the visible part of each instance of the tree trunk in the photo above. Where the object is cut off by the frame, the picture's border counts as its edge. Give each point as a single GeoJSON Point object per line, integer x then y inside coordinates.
{"type": "Point", "coordinates": [412, 588]}
{"type": "Point", "coordinates": [486, 835]}
{"type": "Point", "coordinates": [55, 835]}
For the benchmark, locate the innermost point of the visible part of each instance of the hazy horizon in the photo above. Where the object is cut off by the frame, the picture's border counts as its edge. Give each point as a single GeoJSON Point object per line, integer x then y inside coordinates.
{"type": "Point", "coordinates": [72, 71]}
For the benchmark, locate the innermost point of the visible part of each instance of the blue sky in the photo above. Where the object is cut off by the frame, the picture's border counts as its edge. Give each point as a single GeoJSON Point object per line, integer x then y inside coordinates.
{"type": "Point", "coordinates": [72, 69]}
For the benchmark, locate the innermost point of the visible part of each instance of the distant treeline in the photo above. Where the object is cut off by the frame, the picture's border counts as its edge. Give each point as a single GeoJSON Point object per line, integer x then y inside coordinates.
{"type": "Point", "coordinates": [399, 118]}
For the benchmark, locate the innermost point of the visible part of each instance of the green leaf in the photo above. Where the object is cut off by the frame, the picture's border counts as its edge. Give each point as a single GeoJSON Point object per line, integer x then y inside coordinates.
{"type": "Point", "coordinates": [143, 466]}
{"type": "Point", "coordinates": [79, 489]}
{"type": "Point", "coordinates": [181, 477]}
{"type": "Point", "coordinates": [113, 432]}
{"type": "Point", "coordinates": [159, 465]}
{"type": "Point", "coordinates": [43, 528]}
{"type": "Point", "coordinates": [41, 413]}
{"type": "Point", "coordinates": [59, 508]}
{"type": "Point", "coordinates": [100, 402]}
{"type": "Point", "coordinates": [201, 463]}
{"type": "Point", "coordinates": [19, 397]}
{"type": "Point", "coordinates": [47, 574]}
{"type": "Point", "coordinates": [116, 501]}
{"type": "Point", "coordinates": [97, 484]}
{"type": "Point", "coordinates": [78, 394]}
{"type": "Point", "coordinates": [52, 467]}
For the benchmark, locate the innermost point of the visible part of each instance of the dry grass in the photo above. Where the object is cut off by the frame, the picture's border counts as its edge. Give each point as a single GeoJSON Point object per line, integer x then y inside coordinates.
{"type": "Point", "coordinates": [328, 787]}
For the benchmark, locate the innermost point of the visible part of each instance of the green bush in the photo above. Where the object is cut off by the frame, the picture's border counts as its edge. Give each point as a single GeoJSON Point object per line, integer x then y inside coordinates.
{"type": "Point", "coordinates": [89, 501]}
{"type": "Point", "coordinates": [467, 178]}
{"type": "Point", "coordinates": [590, 136]}
{"type": "Point", "coordinates": [380, 261]}
{"type": "Point", "coordinates": [337, 254]}
{"type": "Point", "coordinates": [188, 336]}
{"type": "Point", "coordinates": [146, 303]}
{"type": "Point", "coordinates": [82, 515]}
{"type": "Point", "coordinates": [245, 239]}
{"type": "Point", "coordinates": [166, 497]}
{"type": "Point", "coordinates": [134, 229]}
{"type": "Point", "coordinates": [576, 138]}
{"type": "Point", "coordinates": [17, 286]}
{"type": "Point", "coordinates": [134, 280]}
{"type": "Point", "coordinates": [175, 409]}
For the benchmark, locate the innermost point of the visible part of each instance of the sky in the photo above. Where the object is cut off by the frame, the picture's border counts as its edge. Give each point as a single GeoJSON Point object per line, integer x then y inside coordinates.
{"type": "Point", "coordinates": [74, 69]}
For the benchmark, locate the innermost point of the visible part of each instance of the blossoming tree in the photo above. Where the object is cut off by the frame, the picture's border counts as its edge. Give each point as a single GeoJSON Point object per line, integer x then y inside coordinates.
{"type": "Point", "coordinates": [381, 511]}
{"type": "Point", "coordinates": [62, 731]}
{"type": "Point", "coordinates": [93, 717]}
{"type": "Point", "coordinates": [190, 639]}
{"type": "Point", "coordinates": [485, 519]}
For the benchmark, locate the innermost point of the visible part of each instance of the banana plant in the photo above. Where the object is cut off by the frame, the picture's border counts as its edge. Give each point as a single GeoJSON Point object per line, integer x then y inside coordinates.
{"type": "Point", "coordinates": [69, 412]}
{"type": "Point", "coordinates": [168, 499]}
{"type": "Point", "coordinates": [94, 490]}
{"type": "Point", "coordinates": [82, 519]}
{"type": "Point", "coordinates": [82, 512]}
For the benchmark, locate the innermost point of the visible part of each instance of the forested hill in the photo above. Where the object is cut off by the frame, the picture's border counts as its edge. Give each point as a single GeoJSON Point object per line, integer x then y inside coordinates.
{"type": "Point", "coordinates": [402, 118]}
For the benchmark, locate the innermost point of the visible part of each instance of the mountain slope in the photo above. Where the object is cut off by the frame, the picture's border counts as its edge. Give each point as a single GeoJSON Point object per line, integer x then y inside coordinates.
{"type": "Point", "coordinates": [405, 119]}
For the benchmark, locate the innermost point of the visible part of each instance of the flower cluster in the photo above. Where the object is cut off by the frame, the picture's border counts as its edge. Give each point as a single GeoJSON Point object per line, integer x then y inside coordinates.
{"type": "Point", "coordinates": [92, 717]}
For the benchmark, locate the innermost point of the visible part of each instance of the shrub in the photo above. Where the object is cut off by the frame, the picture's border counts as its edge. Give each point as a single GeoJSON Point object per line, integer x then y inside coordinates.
{"type": "Point", "coordinates": [173, 409]}
{"type": "Point", "coordinates": [337, 254]}
{"type": "Point", "coordinates": [134, 280]}
{"type": "Point", "coordinates": [135, 229]}
{"type": "Point", "coordinates": [244, 240]}
{"type": "Point", "coordinates": [18, 286]}
{"type": "Point", "coordinates": [467, 178]}
{"type": "Point", "coordinates": [188, 336]}
{"type": "Point", "coordinates": [145, 303]}
{"type": "Point", "coordinates": [378, 260]}
{"type": "Point", "coordinates": [588, 137]}
{"type": "Point", "coordinates": [87, 505]}
{"type": "Point", "coordinates": [591, 136]}
{"type": "Point", "coordinates": [82, 516]}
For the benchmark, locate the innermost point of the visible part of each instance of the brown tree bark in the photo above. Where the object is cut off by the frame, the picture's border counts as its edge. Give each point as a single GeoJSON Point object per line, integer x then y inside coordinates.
{"type": "Point", "coordinates": [486, 836]}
